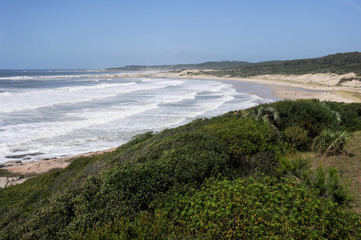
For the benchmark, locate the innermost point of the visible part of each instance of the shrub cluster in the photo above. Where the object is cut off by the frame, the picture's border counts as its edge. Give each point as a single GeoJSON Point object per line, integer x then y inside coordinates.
{"type": "Point", "coordinates": [254, 207]}
{"type": "Point", "coordinates": [306, 123]}
{"type": "Point", "coordinates": [158, 184]}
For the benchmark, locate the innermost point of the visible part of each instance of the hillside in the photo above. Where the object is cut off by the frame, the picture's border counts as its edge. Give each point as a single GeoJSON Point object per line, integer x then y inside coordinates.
{"type": "Point", "coordinates": [206, 65]}
{"type": "Point", "coordinates": [233, 176]}
{"type": "Point", "coordinates": [340, 63]}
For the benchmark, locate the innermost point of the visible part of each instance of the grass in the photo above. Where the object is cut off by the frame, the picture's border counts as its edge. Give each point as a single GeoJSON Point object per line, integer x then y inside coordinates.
{"type": "Point", "coordinates": [349, 167]}
{"type": "Point", "coordinates": [350, 95]}
{"type": "Point", "coordinates": [6, 173]}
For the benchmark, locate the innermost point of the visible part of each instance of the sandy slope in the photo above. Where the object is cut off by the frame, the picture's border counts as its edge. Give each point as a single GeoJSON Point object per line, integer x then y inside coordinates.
{"type": "Point", "coordinates": [307, 86]}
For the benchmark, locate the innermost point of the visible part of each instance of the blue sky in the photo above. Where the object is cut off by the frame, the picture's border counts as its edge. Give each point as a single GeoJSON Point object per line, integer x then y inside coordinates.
{"type": "Point", "coordinates": [72, 34]}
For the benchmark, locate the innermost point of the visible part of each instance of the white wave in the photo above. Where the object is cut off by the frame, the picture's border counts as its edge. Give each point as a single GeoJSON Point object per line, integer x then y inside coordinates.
{"type": "Point", "coordinates": [25, 134]}
{"type": "Point", "coordinates": [42, 98]}
{"type": "Point", "coordinates": [5, 94]}
{"type": "Point", "coordinates": [169, 82]}
{"type": "Point", "coordinates": [60, 77]}
{"type": "Point", "coordinates": [165, 104]}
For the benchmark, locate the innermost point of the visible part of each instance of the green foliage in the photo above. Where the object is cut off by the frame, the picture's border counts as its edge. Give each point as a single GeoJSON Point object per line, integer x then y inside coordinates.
{"type": "Point", "coordinates": [329, 185]}
{"type": "Point", "coordinates": [6, 173]}
{"type": "Point", "coordinates": [350, 115]}
{"type": "Point", "coordinates": [179, 67]}
{"type": "Point", "coordinates": [312, 115]}
{"type": "Point", "coordinates": [331, 142]}
{"type": "Point", "coordinates": [245, 138]}
{"type": "Point", "coordinates": [268, 114]}
{"type": "Point", "coordinates": [325, 181]}
{"type": "Point", "coordinates": [340, 63]}
{"type": "Point", "coordinates": [260, 207]}
{"type": "Point", "coordinates": [343, 80]}
{"type": "Point", "coordinates": [298, 137]}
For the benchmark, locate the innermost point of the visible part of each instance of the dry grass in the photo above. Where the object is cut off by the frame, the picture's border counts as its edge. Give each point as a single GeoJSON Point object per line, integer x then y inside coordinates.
{"type": "Point", "coordinates": [350, 95]}
{"type": "Point", "coordinates": [349, 167]}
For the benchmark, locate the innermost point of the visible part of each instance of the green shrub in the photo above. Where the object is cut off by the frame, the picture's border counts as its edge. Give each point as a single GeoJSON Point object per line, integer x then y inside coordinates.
{"type": "Point", "coordinates": [312, 115]}
{"type": "Point", "coordinates": [241, 209]}
{"type": "Point", "coordinates": [331, 142]}
{"type": "Point", "coordinates": [329, 186]}
{"type": "Point", "coordinates": [298, 137]}
{"type": "Point", "coordinates": [325, 181]}
{"type": "Point", "coordinates": [245, 138]}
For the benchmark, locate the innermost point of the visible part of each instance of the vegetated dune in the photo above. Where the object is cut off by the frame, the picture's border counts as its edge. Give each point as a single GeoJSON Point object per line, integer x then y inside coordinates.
{"type": "Point", "coordinates": [327, 79]}
{"type": "Point", "coordinates": [232, 176]}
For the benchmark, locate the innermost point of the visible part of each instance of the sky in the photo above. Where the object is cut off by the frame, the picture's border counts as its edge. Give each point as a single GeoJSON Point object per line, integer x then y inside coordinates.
{"type": "Point", "coordinates": [86, 34]}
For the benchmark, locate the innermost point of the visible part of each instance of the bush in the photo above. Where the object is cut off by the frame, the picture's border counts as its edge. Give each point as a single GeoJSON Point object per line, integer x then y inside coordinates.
{"type": "Point", "coordinates": [331, 142]}
{"type": "Point", "coordinates": [244, 138]}
{"type": "Point", "coordinates": [312, 115]}
{"type": "Point", "coordinates": [298, 137]}
{"type": "Point", "coordinates": [260, 207]}
{"type": "Point", "coordinates": [329, 185]}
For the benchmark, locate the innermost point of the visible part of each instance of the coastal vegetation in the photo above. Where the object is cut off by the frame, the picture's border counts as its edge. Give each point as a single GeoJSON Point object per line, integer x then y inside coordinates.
{"type": "Point", "coordinates": [205, 65]}
{"type": "Point", "coordinates": [340, 63]}
{"type": "Point", "coordinates": [244, 174]}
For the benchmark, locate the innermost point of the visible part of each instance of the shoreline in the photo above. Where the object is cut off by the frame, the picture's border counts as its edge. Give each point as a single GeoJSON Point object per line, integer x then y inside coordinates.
{"type": "Point", "coordinates": [291, 87]}
{"type": "Point", "coordinates": [280, 89]}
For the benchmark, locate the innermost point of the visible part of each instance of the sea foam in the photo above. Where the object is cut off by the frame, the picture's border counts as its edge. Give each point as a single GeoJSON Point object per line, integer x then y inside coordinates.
{"type": "Point", "coordinates": [44, 116]}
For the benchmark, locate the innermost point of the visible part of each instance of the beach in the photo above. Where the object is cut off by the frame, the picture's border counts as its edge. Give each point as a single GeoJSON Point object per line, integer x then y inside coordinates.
{"type": "Point", "coordinates": [321, 86]}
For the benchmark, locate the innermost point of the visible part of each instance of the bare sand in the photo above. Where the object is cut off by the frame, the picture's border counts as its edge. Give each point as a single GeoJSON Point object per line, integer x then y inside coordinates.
{"type": "Point", "coordinates": [322, 86]}
{"type": "Point", "coordinates": [308, 86]}
{"type": "Point", "coordinates": [39, 167]}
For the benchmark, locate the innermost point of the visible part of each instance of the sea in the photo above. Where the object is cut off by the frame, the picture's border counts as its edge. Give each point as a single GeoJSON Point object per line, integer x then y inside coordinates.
{"type": "Point", "coordinates": [60, 113]}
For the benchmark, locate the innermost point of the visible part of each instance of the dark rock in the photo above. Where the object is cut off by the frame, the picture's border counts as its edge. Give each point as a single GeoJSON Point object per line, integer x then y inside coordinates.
{"type": "Point", "coordinates": [12, 163]}
{"type": "Point", "coordinates": [14, 179]}
{"type": "Point", "coordinates": [24, 155]}
{"type": "Point", "coordinates": [16, 156]}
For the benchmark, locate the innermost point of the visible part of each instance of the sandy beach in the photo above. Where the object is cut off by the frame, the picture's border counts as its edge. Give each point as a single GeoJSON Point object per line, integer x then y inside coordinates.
{"type": "Point", "coordinates": [320, 86]}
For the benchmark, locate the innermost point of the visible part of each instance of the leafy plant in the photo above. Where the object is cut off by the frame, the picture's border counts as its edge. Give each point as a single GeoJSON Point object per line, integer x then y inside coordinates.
{"type": "Point", "coordinates": [298, 137]}
{"type": "Point", "coordinates": [268, 113]}
{"type": "Point", "coordinates": [331, 142]}
{"type": "Point", "coordinates": [254, 207]}
{"type": "Point", "coordinates": [329, 185]}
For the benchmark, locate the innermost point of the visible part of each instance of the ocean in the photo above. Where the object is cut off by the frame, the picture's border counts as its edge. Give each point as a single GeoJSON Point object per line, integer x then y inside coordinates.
{"type": "Point", "coordinates": [60, 113]}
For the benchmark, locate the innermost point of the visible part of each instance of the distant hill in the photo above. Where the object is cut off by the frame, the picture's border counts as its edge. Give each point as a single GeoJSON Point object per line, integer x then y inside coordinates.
{"type": "Point", "coordinates": [339, 63]}
{"type": "Point", "coordinates": [206, 65]}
